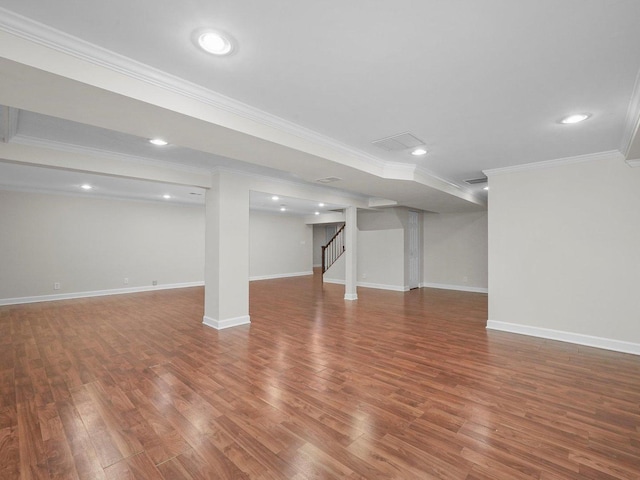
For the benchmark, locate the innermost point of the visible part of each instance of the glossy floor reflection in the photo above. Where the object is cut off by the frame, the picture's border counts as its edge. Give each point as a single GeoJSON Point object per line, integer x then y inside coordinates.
{"type": "Point", "coordinates": [394, 385]}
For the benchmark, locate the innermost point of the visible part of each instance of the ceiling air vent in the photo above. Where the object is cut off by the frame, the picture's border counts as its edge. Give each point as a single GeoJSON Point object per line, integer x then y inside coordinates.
{"type": "Point", "coordinates": [328, 180]}
{"type": "Point", "coordinates": [475, 181]}
{"type": "Point", "coordinates": [403, 141]}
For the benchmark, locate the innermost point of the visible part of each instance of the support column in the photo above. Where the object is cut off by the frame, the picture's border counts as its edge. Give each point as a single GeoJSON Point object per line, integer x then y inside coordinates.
{"type": "Point", "coordinates": [226, 266]}
{"type": "Point", "coordinates": [351, 253]}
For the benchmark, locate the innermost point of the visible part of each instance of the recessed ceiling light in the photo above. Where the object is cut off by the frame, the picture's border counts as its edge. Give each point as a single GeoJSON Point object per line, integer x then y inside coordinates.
{"type": "Point", "coordinates": [215, 43]}
{"type": "Point", "coordinates": [159, 142]}
{"type": "Point", "coordinates": [282, 209]}
{"type": "Point", "coordinates": [317, 213]}
{"type": "Point", "coordinates": [486, 188]}
{"type": "Point", "coordinates": [418, 152]}
{"type": "Point", "coordinates": [321, 204]}
{"type": "Point", "coordinates": [86, 186]}
{"type": "Point", "coordinates": [576, 118]}
{"type": "Point", "coordinates": [166, 196]}
{"type": "Point", "coordinates": [275, 197]}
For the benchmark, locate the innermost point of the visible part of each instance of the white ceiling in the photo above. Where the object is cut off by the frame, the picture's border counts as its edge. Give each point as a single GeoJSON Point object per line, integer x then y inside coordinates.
{"type": "Point", "coordinates": [483, 84]}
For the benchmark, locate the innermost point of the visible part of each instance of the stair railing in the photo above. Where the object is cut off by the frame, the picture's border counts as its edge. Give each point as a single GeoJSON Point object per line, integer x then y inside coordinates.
{"type": "Point", "coordinates": [333, 249]}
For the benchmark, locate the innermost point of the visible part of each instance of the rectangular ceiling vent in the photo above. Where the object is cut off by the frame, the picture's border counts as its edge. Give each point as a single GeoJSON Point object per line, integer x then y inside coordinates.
{"type": "Point", "coordinates": [328, 180]}
{"type": "Point", "coordinates": [403, 141]}
{"type": "Point", "coordinates": [475, 181]}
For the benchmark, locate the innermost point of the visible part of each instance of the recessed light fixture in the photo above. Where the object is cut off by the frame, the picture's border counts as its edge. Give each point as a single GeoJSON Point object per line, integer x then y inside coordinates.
{"type": "Point", "coordinates": [321, 204]}
{"type": "Point", "coordinates": [166, 196]}
{"type": "Point", "coordinates": [159, 142]}
{"type": "Point", "coordinates": [214, 42]}
{"type": "Point", "coordinates": [282, 209]}
{"type": "Point", "coordinates": [418, 152]}
{"type": "Point", "coordinates": [576, 118]}
{"type": "Point", "coordinates": [275, 197]}
{"type": "Point", "coordinates": [486, 188]}
{"type": "Point", "coordinates": [86, 186]}
{"type": "Point", "coordinates": [317, 213]}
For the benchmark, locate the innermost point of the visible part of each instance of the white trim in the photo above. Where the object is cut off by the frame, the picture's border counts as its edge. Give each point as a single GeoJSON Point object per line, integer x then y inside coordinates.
{"type": "Point", "coordinates": [379, 286]}
{"type": "Point", "coordinates": [569, 337]}
{"type": "Point", "coordinates": [632, 121]}
{"type": "Point", "coordinates": [316, 266]}
{"type": "Point", "coordinates": [634, 163]}
{"type": "Point", "coordinates": [350, 296]}
{"type": "Point", "coordinates": [9, 127]}
{"type": "Point", "coordinates": [527, 167]}
{"type": "Point", "coordinates": [227, 322]}
{"type": "Point", "coordinates": [96, 293]}
{"type": "Point", "coordinates": [461, 288]}
{"type": "Point", "coordinates": [382, 286]}
{"type": "Point", "coordinates": [60, 41]}
{"type": "Point", "coordinates": [279, 275]}
{"type": "Point", "coordinates": [114, 198]}
{"type": "Point", "coordinates": [29, 141]}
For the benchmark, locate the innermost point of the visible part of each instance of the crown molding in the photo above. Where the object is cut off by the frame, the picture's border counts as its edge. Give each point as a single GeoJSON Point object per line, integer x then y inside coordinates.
{"type": "Point", "coordinates": [97, 196]}
{"type": "Point", "coordinates": [84, 150]}
{"type": "Point", "coordinates": [634, 163]}
{"type": "Point", "coordinates": [9, 126]}
{"type": "Point", "coordinates": [30, 141]}
{"type": "Point", "coordinates": [57, 40]}
{"type": "Point", "coordinates": [632, 121]}
{"type": "Point", "coordinates": [527, 167]}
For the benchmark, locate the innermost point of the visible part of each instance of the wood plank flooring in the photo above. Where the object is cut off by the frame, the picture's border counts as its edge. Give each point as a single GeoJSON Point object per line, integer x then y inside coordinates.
{"type": "Point", "coordinates": [392, 386]}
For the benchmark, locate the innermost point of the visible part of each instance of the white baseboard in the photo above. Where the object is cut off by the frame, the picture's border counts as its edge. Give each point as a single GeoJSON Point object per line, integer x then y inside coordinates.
{"type": "Point", "coordinates": [317, 266]}
{"type": "Point", "coordinates": [577, 338]}
{"type": "Point", "coordinates": [350, 296]}
{"type": "Point", "coordinates": [280, 275]}
{"type": "Point", "coordinates": [382, 286]}
{"type": "Point", "coordinates": [227, 322]}
{"type": "Point", "coordinates": [379, 286]}
{"type": "Point", "coordinates": [461, 288]}
{"type": "Point", "coordinates": [96, 293]}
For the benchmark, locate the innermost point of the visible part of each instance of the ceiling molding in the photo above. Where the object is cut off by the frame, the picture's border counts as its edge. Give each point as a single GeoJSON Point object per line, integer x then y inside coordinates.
{"type": "Point", "coordinates": [62, 42]}
{"type": "Point", "coordinates": [57, 40]}
{"type": "Point", "coordinates": [29, 141]}
{"type": "Point", "coordinates": [9, 126]}
{"type": "Point", "coordinates": [93, 195]}
{"type": "Point", "coordinates": [634, 163]}
{"type": "Point", "coordinates": [632, 121]}
{"type": "Point", "coordinates": [84, 150]}
{"type": "Point", "coordinates": [527, 167]}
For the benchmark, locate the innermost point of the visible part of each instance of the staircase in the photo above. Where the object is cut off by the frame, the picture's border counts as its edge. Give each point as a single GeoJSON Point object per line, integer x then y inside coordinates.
{"type": "Point", "coordinates": [332, 250]}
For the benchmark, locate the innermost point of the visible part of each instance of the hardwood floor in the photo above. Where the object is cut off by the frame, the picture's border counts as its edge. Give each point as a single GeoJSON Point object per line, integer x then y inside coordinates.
{"type": "Point", "coordinates": [395, 385]}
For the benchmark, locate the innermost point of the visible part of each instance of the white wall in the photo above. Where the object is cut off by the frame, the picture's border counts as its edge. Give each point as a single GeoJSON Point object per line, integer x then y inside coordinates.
{"type": "Point", "coordinates": [564, 252]}
{"type": "Point", "coordinates": [455, 251]}
{"type": "Point", "coordinates": [319, 239]}
{"type": "Point", "coordinates": [279, 245]}
{"type": "Point", "coordinates": [89, 244]}
{"type": "Point", "coordinates": [381, 252]}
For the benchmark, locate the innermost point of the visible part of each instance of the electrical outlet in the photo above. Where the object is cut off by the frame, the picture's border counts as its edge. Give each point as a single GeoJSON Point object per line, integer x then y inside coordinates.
{"type": "Point", "coordinates": [364, 275]}
{"type": "Point", "coordinates": [465, 279]}
{"type": "Point", "coordinates": [154, 283]}
{"type": "Point", "coordinates": [56, 286]}
{"type": "Point", "coordinates": [126, 281]}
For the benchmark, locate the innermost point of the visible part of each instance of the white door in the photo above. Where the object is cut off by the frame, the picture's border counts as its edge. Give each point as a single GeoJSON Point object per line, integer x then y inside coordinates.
{"type": "Point", "coordinates": [414, 249]}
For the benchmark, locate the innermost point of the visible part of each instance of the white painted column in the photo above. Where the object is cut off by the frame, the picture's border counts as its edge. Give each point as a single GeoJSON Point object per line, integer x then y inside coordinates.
{"type": "Point", "coordinates": [226, 269]}
{"type": "Point", "coordinates": [351, 253]}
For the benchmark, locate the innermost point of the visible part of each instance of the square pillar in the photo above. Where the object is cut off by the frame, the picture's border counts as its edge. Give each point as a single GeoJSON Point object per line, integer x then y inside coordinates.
{"type": "Point", "coordinates": [226, 268]}
{"type": "Point", "coordinates": [351, 253]}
